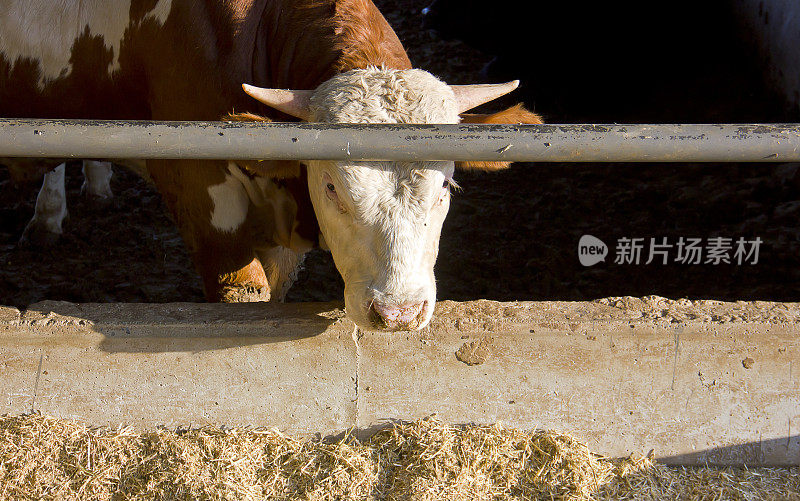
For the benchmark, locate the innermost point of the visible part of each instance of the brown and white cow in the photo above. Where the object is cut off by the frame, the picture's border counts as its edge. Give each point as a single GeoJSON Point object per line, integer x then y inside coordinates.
{"type": "Point", "coordinates": [248, 224]}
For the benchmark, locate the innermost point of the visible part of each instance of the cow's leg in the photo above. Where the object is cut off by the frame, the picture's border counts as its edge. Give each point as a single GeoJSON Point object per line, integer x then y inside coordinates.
{"type": "Point", "coordinates": [51, 209]}
{"type": "Point", "coordinates": [97, 181]}
{"type": "Point", "coordinates": [280, 266]}
{"type": "Point", "coordinates": [210, 208]}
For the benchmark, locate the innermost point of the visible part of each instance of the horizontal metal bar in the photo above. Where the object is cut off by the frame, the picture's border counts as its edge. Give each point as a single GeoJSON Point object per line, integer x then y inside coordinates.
{"type": "Point", "coordinates": [307, 141]}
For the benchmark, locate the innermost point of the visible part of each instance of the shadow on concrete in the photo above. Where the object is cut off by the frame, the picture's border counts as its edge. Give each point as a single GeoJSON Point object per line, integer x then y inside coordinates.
{"type": "Point", "coordinates": [773, 452]}
{"type": "Point", "coordinates": [187, 327]}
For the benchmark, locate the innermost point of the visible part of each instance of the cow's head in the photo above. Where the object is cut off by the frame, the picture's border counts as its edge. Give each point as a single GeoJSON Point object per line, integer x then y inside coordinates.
{"type": "Point", "coordinates": [382, 220]}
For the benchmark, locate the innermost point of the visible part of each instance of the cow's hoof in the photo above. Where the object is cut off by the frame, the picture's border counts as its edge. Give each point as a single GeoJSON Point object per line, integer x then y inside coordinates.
{"type": "Point", "coordinates": [244, 294]}
{"type": "Point", "coordinates": [37, 236]}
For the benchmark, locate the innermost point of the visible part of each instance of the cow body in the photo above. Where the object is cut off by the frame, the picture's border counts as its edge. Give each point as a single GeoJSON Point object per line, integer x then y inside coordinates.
{"type": "Point", "coordinates": [247, 224]}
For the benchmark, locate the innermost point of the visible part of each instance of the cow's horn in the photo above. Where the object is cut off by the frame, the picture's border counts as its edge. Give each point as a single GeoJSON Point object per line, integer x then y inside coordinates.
{"type": "Point", "coordinates": [471, 96]}
{"type": "Point", "coordinates": [292, 102]}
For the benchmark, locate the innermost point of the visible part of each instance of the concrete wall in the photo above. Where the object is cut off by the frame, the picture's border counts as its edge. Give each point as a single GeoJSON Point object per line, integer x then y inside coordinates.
{"type": "Point", "coordinates": [775, 27]}
{"type": "Point", "coordinates": [696, 381]}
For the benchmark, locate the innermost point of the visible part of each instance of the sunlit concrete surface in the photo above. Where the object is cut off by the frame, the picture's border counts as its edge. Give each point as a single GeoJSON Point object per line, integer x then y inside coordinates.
{"type": "Point", "coordinates": [696, 381]}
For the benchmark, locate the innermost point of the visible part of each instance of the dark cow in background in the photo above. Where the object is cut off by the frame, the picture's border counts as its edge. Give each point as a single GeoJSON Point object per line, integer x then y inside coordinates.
{"type": "Point", "coordinates": [248, 224]}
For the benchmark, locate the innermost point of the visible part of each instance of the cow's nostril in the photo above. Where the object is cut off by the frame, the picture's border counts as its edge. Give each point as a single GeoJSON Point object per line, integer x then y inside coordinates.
{"type": "Point", "coordinates": [396, 316]}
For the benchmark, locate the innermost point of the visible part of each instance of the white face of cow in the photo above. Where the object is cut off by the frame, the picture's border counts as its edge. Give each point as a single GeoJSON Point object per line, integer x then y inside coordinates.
{"type": "Point", "coordinates": [382, 220]}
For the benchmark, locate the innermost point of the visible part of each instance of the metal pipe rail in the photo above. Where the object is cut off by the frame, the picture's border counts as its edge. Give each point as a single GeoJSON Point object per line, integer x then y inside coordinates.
{"type": "Point", "coordinates": [314, 141]}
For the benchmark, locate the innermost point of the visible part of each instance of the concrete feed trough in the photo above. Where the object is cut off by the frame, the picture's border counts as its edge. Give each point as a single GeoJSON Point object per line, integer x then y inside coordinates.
{"type": "Point", "coordinates": [697, 381]}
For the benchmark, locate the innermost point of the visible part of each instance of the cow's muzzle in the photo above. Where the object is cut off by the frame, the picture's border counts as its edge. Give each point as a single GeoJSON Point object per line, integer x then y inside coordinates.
{"type": "Point", "coordinates": [397, 317]}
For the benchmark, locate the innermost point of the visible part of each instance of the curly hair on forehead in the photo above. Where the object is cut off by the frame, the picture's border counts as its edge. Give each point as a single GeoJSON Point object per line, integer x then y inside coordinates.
{"type": "Point", "coordinates": [380, 95]}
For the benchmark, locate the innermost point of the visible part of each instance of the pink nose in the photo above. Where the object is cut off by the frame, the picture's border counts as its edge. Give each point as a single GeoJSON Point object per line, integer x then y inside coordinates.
{"type": "Point", "coordinates": [396, 317]}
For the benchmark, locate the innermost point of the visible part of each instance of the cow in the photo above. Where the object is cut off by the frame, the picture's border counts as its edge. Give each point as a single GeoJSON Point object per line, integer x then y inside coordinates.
{"type": "Point", "coordinates": [247, 224]}
{"type": "Point", "coordinates": [50, 211]}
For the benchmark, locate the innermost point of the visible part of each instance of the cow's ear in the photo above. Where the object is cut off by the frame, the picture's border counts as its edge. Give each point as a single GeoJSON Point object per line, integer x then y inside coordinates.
{"type": "Point", "coordinates": [275, 169]}
{"type": "Point", "coordinates": [514, 115]}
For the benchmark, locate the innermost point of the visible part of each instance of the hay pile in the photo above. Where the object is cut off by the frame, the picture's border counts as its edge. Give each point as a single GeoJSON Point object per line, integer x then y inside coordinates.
{"type": "Point", "coordinates": [47, 458]}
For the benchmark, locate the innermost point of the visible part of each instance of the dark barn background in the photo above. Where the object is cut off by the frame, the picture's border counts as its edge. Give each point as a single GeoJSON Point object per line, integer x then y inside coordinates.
{"type": "Point", "coordinates": [511, 235]}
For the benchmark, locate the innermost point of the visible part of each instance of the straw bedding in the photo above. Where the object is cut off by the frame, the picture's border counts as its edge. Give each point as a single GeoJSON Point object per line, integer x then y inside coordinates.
{"type": "Point", "coordinates": [48, 458]}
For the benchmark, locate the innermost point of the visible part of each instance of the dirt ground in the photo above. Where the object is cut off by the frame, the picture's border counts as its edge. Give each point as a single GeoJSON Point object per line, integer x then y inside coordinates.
{"type": "Point", "coordinates": [511, 235]}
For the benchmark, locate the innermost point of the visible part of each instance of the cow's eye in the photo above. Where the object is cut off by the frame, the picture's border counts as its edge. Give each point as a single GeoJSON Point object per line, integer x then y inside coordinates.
{"type": "Point", "coordinates": [446, 185]}
{"type": "Point", "coordinates": [330, 192]}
